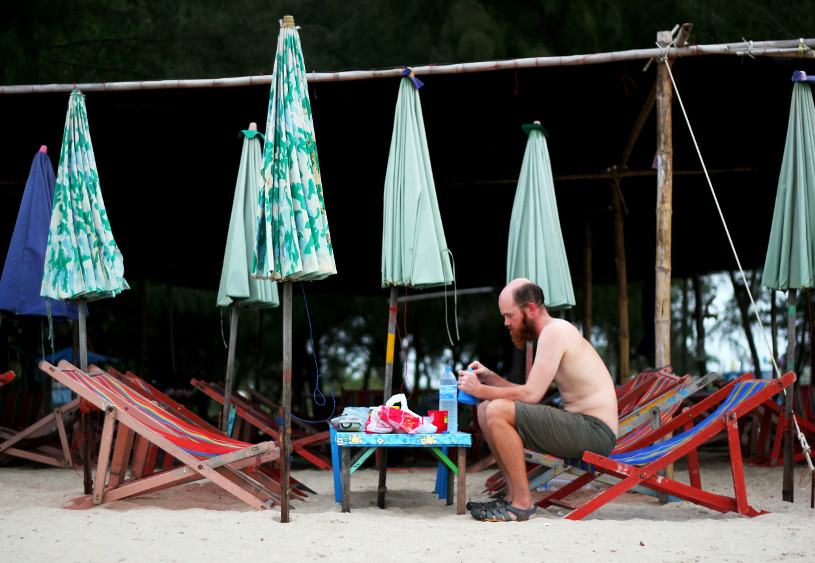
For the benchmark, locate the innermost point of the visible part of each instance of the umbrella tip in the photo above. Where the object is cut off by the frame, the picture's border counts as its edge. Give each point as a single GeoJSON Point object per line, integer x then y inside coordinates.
{"type": "Point", "coordinates": [253, 126]}
{"type": "Point", "coordinates": [288, 21]}
{"type": "Point", "coordinates": [536, 122]}
{"type": "Point", "coordinates": [44, 149]}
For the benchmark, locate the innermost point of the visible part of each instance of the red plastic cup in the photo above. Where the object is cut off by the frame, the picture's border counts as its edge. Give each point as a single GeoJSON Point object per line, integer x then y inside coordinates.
{"type": "Point", "coordinates": [439, 420]}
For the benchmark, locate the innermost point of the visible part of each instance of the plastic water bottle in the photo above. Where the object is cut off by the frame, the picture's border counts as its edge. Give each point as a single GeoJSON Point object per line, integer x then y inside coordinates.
{"type": "Point", "coordinates": [448, 398]}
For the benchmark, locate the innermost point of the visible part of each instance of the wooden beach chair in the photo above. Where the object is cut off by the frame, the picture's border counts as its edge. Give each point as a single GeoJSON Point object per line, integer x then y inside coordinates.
{"type": "Point", "coordinates": [641, 464]}
{"type": "Point", "coordinates": [663, 394]}
{"type": "Point", "coordinates": [769, 427]}
{"type": "Point", "coordinates": [6, 378]}
{"type": "Point", "coordinates": [37, 441]}
{"type": "Point", "coordinates": [227, 463]}
{"type": "Point", "coordinates": [139, 385]}
{"type": "Point", "coordinates": [304, 440]}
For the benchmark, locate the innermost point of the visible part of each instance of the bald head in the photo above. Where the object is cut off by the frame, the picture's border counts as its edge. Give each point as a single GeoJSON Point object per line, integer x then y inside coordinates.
{"type": "Point", "coordinates": [524, 291]}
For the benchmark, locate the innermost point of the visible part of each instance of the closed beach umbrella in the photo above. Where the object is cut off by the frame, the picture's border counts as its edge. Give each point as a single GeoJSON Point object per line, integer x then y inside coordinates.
{"type": "Point", "coordinates": [238, 289]}
{"type": "Point", "coordinates": [414, 250]}
{"type": "Point", "coordinates": [536, 250]}
{"type": "Point", "coordinates": [22, 271]}
{"type": "Point", "coordinates": [293, 241]}
{"type": "Point", "coordinates": [790, 262]}
{"type": "Point", "coordinates": [82, 261]}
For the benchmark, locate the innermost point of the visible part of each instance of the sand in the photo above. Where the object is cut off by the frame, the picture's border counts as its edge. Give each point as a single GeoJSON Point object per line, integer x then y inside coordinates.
{"type": "Point", "coordinates": [198, 522]}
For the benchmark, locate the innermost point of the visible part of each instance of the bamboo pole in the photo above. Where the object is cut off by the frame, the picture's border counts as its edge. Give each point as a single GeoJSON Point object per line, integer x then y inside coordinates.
{"type": "Point", "coordinates": [662, 303]}
{"type": "Point", "coordinates": [795, 48]}
{"type": "Point", "coordinates": [386, 392]}
{"type": "Point", "coordinates": [587, 281]}
{"type": "Point", "coordinates": [88, 442]}
{"type": "Point", "coordinates": [285, 437]}
{"type": "Point", "coordinates": [230, 368]}
{"type": "Point", "coordinates": [624, 368]}
{"type": "Point", "coordinates": [787, 491]}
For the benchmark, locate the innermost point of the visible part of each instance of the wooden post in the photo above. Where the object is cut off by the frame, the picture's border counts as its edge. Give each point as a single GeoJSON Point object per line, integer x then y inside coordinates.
{"type": "Point", "coordinates": [587, 281]}
{"type": "Point", "coordinates": [618, 172]}
{"type": "Point", "coordinates": [230, 368]}
{"type": "Point", "coordinates": [88, 441]}
{"type": "Point", "coordinates": [386, 393]}
{"type": "Point", "coordinates": [622, 282]}
{"type": "Point", "coordinates": [787, 492]}
{"type": "Point", "coordinates": [701, 359]}
{"type": "Point", "coordinates": [664, 211]}
{"type": "Point", "coordinates": [285, 436]}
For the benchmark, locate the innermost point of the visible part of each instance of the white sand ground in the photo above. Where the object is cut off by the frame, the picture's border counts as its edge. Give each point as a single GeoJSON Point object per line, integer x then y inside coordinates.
{"type": "Point", "coordinates": [198, 522]}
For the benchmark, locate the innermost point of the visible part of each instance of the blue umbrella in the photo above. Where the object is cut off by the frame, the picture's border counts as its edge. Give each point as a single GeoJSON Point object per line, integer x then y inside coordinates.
{"type": "Point", "coordinates": [22, 272]}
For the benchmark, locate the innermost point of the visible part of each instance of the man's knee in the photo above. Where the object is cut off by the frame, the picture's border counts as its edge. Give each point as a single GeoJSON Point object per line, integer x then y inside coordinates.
{"type": "Point", "coordinates": [502, 410]}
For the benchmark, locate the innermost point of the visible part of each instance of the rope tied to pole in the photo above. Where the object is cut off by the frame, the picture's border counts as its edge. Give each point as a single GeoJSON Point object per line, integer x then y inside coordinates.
{"type": "Point", "coordinates": [802, 439]}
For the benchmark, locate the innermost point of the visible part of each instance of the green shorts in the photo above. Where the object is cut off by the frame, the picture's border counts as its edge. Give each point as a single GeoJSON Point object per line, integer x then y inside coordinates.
{"type": "Point", "coordinates": [561, 433]}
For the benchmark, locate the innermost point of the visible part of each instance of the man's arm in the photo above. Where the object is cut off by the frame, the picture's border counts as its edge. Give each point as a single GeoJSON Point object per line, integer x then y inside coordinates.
{"type": "Point", "coordinates": [488, 385]}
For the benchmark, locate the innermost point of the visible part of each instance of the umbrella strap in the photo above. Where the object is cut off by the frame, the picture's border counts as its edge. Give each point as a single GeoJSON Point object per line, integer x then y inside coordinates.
{"type": "Point", "coordinates": [319, 398]}
{"type": "Point", "coordinates": [455, 301]}
{"type": "Point", "coordinates": [801, 437]}
{"type": "Point", "coordinates": [50, 327]}
{"type": "Point", "coordinates": [223, 337]}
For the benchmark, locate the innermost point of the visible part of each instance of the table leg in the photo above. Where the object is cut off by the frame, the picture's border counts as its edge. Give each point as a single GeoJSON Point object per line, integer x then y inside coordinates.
{"type": "Point", "coordinates": [345, 477]}
{"type": "Point", "coordinates": [451, 479]}
{"type": "Point", "coordinates": [461, 497]}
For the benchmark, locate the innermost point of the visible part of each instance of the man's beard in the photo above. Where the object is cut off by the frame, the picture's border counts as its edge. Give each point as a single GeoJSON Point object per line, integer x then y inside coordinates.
{"type": "Point", "coordinates": [526, 333]}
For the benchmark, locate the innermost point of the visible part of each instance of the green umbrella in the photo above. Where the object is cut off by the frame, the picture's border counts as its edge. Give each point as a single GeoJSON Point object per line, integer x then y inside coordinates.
{"type": "Point", "coordinates": [535, 250]}
{"type": "Point", "coordinates": [414, 250]}
{"type": "Point", "coordinates": [790, 262]}
{"type": "Point", "coordinates": [293, 242]}
{"type": "Point", "coordinates": [82, 261]}
{"type": "Point", "coordinates": [237, 288]}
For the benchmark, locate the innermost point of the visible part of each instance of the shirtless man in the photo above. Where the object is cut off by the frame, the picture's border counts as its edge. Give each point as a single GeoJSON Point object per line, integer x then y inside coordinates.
{"type": "Point", "coordinates": [510, 415]}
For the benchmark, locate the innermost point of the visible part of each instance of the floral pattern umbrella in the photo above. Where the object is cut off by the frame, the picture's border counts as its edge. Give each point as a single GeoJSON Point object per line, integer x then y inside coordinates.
{"type": "Point", "coordinates": [293, 239]}
{"type": "Point", "coordinates": [293, 242]}
{"type": "Point", "coordinates": [82, 261]}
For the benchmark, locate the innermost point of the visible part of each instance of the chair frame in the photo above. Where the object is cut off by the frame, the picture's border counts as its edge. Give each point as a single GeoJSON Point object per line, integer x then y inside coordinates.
{"type": "Point", "coordinates": [225, 471]}
{"type": "Point", "coordinates": [647, 474]}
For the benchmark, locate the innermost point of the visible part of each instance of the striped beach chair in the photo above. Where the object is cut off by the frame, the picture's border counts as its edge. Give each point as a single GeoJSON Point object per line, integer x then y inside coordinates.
{"type": "Point", "coordinates": [641, 464]}
{"type": "Point", "coordinates": [229, 464]}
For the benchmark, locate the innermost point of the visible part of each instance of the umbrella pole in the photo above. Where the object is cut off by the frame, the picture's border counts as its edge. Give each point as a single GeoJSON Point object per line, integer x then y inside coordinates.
{"type": "Point", "coordinates": [230, 368]}
{"type": "Point", "coordinates": [787, 490]}
{"type": "Point", "coordinates": [285, 437]}
{"type": "Point", "coordinates": [86, 431]}
{"type": "Point", "coordinates": [386, 392]}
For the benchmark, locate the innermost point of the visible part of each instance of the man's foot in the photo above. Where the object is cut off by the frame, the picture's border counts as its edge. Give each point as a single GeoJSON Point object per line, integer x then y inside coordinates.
{"type": "Point", "coordinates": [475, 507]}
{"type": "Point", "coordinates": [505, 514]}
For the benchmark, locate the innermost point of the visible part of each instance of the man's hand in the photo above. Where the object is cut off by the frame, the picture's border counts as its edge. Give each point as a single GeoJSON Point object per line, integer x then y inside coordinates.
{"type": "Point", "coordinates": [480, 371]}
{"type": "Point", "coordinates": [468, 382]}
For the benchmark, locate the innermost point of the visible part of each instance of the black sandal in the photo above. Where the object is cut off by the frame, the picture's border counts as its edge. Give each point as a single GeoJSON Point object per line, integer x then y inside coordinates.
{"type": "Point", "coordinates": [474, 507]}
{"type": "Point", "coordinates": [501, 514]}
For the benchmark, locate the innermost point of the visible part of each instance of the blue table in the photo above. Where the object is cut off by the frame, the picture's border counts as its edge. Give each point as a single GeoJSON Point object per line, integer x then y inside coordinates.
{"type": "Point", "coordinates": [342, 442]}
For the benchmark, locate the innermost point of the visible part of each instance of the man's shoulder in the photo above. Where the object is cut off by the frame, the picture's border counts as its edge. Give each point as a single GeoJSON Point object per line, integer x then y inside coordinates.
{"type": "Point", "coordinates": [560, 327]}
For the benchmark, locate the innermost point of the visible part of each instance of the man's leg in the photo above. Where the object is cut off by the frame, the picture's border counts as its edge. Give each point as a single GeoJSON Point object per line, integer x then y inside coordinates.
{"type": "Point", "coordinates": [483, 423]}
{"type": "Point", "coordinates": [506, 445]}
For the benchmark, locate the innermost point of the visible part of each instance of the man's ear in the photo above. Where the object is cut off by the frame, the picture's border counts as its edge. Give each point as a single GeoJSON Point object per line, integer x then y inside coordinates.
{"type": "Point", "coordinates": [531, 309]}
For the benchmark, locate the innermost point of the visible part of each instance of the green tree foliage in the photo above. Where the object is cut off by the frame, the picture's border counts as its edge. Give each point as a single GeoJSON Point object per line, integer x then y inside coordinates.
{"type": "Point", "coordinates": [43, 41]}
